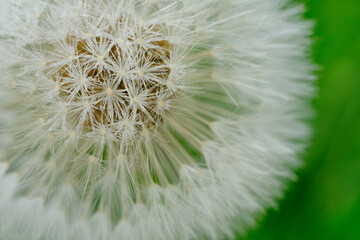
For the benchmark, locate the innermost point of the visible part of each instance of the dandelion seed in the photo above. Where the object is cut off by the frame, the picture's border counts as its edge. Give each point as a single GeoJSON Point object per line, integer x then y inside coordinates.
{"type": "Point", "coordinates": [121, 41]}
{"type": "Point", "coordinates": [103, 132]}
{"type": "Point", "coordinates": [86, 104]}
{"type": "Point", "coordinates": [136, 99]}
{"type": "Point", "coordinates": [150, 119]}
{"type": "Point", "coordinates": [138, 41]}
{"type": "Point", "coordinates": [109, 91]}
{"type": "Point", "coordinates": [122, 73]}
{"type": "Point", "coordinates": [82, 80]}
{"type": "Point", "coordinates": [100, 58]}
{"type": "Point", "coordinates": [161, 104]}
{"type": "Point", "coordinates": [141, 73]}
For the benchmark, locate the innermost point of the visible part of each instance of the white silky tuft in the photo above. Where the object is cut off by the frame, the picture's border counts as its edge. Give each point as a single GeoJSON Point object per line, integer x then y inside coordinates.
{"type": "Point", "coordinates": [152, 119]}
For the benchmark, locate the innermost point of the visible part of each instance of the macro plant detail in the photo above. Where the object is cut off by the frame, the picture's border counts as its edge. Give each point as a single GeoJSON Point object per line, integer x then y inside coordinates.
{"type": "Point", "coordinates": [127, 119]}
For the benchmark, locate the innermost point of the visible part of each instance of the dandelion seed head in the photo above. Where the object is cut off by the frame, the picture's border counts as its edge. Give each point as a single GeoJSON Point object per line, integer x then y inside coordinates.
{"type": "Point", "coordinates": [129, 119]}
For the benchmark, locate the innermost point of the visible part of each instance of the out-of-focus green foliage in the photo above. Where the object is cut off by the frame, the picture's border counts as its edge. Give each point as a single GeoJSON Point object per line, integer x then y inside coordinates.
{"type": "Point", "coordinates": [325, 202]}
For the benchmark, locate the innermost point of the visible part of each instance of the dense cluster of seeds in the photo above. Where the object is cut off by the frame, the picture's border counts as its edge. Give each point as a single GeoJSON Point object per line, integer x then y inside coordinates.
{"type": "Point", "coordinates": [115, 81]}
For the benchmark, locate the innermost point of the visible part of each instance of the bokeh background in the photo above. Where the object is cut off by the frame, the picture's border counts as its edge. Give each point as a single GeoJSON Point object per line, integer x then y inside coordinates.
{"type": "Point", "coordinates": [325, 201]}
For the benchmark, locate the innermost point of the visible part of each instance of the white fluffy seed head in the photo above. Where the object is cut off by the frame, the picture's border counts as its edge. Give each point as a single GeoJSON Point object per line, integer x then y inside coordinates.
{"type": "Point", "coordinates": [127, 119]}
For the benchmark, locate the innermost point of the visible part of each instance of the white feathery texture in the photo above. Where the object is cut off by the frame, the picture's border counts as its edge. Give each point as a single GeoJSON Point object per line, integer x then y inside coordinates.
{"type": "Point", "coordinates": [152, 119]}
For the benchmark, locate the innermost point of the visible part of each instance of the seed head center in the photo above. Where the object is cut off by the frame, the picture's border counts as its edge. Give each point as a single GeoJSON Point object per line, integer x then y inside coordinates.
{"type": "Point", "coordinates": [102, 80]}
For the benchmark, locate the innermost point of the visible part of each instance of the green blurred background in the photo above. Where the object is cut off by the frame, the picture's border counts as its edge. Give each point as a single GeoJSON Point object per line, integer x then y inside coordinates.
{"type": "Point", "coordinates": [325, 202]}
